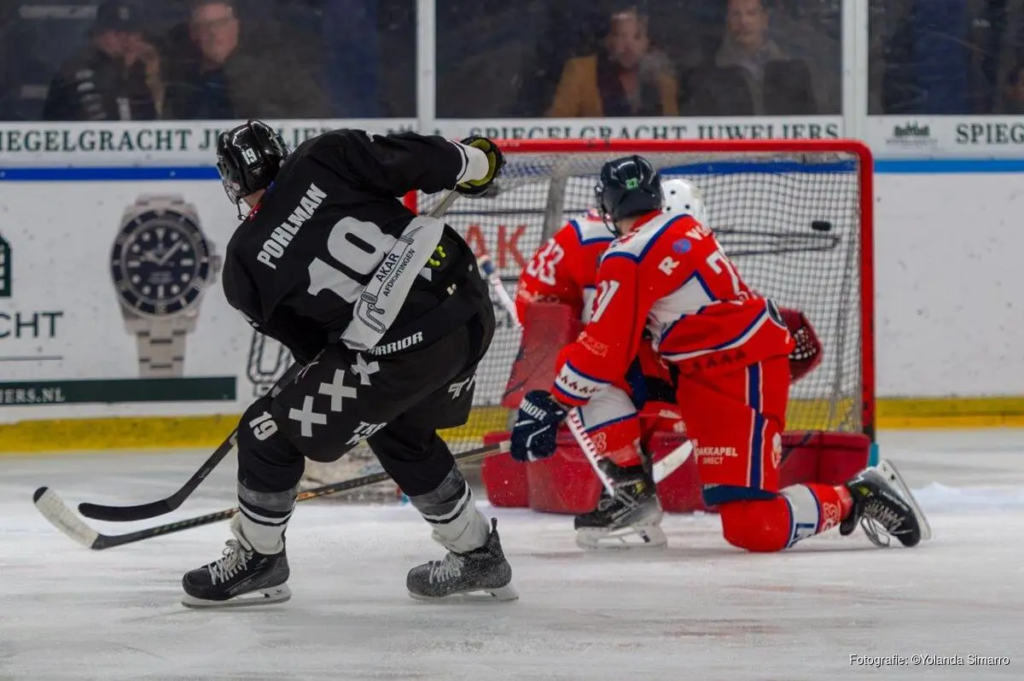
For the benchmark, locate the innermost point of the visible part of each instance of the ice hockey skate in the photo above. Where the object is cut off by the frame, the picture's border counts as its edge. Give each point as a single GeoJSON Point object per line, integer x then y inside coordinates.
{"type": "Point", "coordinates": [484, 569]}
{"type": "Point", "coordinates": [240, 577]}
{"type": "Point", "coordinates": [885, 508]}
{"type": "Point", "coordinates": [630, 519]}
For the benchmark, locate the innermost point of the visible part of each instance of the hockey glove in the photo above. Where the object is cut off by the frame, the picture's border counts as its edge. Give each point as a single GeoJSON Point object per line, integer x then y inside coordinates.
{"type": "Point", "coordinates": [495, 162]}
{"type": "Point", "coordinates": [533, 436]}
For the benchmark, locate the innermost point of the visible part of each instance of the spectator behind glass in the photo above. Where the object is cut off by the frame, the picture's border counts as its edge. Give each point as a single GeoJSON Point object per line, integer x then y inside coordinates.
{"type": "Point", "coordinates": [1013, 91]}
{"type": "Point", "coordinates": [116, 78]}
{"type": "Point", "coordinates": [627, 79]}
{"type": "Point", "coordinates": [223, 72]}
{"type": "Point", "coordinates": [753, 75]}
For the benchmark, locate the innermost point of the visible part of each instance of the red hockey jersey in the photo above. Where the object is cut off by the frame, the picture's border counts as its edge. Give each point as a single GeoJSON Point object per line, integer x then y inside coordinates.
{"type": "Point", "coordinates": [671, 276]}
{"type": "Point", "coordinates": [564, 270]}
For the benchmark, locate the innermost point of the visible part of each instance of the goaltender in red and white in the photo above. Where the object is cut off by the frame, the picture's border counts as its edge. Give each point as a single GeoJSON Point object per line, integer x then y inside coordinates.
{"type": "Point", "coordinates": [728, 347]}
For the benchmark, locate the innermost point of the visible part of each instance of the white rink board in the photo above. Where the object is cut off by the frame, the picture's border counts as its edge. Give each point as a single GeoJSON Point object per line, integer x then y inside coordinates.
{"type": "Point", "coordinates": [62, 321]}
{"type": "Point", "coordinates": [947, 289]}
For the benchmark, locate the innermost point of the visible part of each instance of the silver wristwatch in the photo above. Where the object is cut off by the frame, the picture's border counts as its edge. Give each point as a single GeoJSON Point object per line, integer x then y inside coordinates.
{"type": "Point", "coordinates": [162, 264]}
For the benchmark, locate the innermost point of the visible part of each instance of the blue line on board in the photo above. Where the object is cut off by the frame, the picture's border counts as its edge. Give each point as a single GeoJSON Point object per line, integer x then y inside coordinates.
{"type": "Point", "coordinates": [882, 167]}
{"type": "Point", "coordinates": [97, 174]}
{"type": "Point", "coordinates": [948, 166]}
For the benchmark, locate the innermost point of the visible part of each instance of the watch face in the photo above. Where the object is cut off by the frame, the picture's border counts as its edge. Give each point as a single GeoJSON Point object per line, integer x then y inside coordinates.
{"type": "Point", "coordinates": [160, 262]}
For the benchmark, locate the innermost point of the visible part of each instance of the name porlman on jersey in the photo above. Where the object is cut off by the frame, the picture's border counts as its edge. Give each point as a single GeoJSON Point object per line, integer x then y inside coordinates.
{"type": "Point", "coordinates": [275, 246]}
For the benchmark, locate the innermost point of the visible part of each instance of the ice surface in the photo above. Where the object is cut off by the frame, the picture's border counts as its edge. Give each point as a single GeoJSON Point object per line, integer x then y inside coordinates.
{"type": "Point", "coordinates": [698, 610]}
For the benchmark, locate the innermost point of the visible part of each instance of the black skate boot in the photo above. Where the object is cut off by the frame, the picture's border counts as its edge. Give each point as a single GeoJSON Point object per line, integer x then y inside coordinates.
{"type": "Point", "coordinates": [630, 519]}
{"type": "Point", "coordinates": [240, 571]}
{"type": "Point", "coordinates": [885, 508]}
{"type": "Point", "coordinates": [483, 569]}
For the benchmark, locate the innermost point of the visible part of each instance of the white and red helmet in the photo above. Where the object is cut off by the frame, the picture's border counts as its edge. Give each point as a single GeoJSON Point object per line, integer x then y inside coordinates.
{"type": "Point", "coordinates": [682, 196]}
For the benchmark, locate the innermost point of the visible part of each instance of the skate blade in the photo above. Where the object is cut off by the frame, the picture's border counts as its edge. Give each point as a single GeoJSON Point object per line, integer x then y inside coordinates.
{"type": "Point", "coordinates": [892, 474]}
{"type": "Point", "coordinates": [268, 596]}
{"type": "Point", "coordinates": [504, 593]}
{"type": "Point", "coordinates": [633, 537]}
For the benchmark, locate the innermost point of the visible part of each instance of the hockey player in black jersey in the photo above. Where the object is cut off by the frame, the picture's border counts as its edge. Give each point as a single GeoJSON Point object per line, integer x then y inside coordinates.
{"type": "Point", "coordinates": [389, 316]}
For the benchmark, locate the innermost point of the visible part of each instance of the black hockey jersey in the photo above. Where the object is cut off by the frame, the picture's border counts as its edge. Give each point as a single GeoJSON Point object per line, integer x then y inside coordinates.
{"type": "Point", "coordinates": [330, 253]}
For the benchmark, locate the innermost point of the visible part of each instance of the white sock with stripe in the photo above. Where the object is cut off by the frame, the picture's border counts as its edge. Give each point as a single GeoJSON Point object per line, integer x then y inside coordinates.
{"type": "Point", "coordinates": [263, 517]}
{"type": "Point", "coordinates": [805, 512]}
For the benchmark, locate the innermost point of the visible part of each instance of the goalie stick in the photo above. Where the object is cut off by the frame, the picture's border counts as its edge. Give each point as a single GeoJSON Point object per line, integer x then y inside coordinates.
{"type": "Point", "coordinates": [53, 508]}
{"type": "Point", "coordinates": [123, 514]}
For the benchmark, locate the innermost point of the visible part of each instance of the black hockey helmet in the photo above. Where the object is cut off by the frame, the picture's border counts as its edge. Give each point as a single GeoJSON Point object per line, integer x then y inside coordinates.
{"type": "Point", "coordinates": [628, 186]}
{"type": "Point", "coordinates": [248, 158]}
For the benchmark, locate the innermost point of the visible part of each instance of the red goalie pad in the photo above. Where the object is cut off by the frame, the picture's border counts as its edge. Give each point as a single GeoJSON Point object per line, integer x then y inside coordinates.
{"type": "Point", "coordinates": [808, 351]}
{"type": "Point", "coordinates": [547, 328]}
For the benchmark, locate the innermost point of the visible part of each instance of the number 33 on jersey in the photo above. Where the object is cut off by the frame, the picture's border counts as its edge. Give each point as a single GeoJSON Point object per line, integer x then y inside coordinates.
{"type": "Point", "coordinates": [671, 276]}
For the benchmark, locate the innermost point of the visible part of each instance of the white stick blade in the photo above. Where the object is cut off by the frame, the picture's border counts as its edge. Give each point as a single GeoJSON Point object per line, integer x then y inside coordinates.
{"type": "Point", "coordinates": [667, 465]}
{"type": "Point", "coordinates": [63, 518]}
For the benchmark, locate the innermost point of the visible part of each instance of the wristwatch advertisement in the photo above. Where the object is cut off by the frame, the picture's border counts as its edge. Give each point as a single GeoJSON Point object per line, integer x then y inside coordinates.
{"type": "Point", "coordinates": [162, 264]}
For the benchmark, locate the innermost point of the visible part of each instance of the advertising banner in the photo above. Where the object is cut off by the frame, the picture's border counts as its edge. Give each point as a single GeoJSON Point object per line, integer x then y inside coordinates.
{"type": "Point", "coordinates": [949, 137]}
{"type": "Point", "coordinates": [149, 143]}
{"type": "Point", "coordinates": [163, 143]}
{"type": "Point", "coordinates": [111, 295]}
{"type": "Point", "coordinates": [718, 128]}
{"type": "Point", "coordinates": [111, 301]}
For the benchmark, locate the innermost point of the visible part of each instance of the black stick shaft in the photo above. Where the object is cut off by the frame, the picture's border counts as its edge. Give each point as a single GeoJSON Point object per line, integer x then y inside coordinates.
{"type": "Point", "coordinates": [124, 514]}
{"type": "Point", "coordinates": [104, 541]}
{"type": "Point", "coordinates": [163, 506]}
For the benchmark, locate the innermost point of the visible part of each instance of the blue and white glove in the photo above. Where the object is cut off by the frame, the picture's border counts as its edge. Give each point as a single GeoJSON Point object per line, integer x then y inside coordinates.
{"type": "Point", "coordinates": [533, 436]}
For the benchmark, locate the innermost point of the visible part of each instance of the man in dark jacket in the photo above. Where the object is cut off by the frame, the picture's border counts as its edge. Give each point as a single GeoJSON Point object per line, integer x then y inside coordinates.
{"type": "Point", "coordinates": [115, 78]}
{"type": "Point", "coordinates": [224, 72]}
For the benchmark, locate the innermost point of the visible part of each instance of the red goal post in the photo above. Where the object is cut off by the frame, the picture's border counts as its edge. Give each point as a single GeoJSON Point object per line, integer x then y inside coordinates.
{"type": "Point", "coordinates": [796, 216]}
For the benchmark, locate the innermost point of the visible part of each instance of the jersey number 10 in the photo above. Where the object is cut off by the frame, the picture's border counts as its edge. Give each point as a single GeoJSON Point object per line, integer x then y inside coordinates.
{"type": "Point", "coordinates": [359, 247]}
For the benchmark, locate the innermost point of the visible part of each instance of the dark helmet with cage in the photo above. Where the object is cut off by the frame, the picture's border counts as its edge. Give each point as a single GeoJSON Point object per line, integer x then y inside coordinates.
{"type": "Point", "coordinates": [628, 187]}
{"type": "Point", "coordinates": [249, 158]}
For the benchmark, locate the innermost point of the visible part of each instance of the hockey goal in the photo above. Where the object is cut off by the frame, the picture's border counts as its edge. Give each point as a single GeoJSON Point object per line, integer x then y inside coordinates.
{"type": "Point", "coordinates": [795, 216]}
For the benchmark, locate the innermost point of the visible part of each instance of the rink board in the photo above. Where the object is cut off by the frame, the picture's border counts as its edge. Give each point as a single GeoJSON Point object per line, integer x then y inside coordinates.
{"type": "Point", "coordinates": [69, 367]}
{"type": "Point", "coordinates": [156, 433]}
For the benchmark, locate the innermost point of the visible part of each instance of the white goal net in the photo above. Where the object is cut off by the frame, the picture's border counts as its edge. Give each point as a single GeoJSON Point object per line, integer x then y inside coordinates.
{"type": "Point", "coordinates": [793, 216]}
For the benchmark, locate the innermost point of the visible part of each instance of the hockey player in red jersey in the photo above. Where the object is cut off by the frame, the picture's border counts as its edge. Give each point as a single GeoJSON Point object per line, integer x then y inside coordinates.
{"type": "Point", "coordinates": [668, 274]}
{"type": "Point", "coordinates": [564, 270]}
{"type": "Point", "coordinates": [623, 417]}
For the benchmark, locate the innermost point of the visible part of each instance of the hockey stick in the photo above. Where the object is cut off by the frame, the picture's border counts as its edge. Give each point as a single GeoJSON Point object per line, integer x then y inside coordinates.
{"type": "Point", "coordinates": [122, 514]}
{"type": "Point", "coordinates": [578, 431]}
{"type": "Point", "coordinates": [661, 470]}
{"type": "Point", "coordinates": [490, 272]}
{"type": "Point", "coordinates": [64, 519]}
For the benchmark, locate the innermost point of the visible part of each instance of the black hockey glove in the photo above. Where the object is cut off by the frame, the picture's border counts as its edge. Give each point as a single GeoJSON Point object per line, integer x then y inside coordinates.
{"type": "Point", "coordinates": [495, 160]}
{"type": "Point", "coordinates": [534, 435]}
